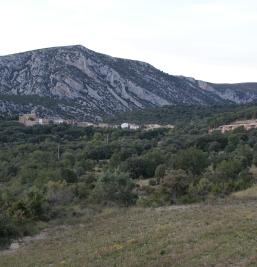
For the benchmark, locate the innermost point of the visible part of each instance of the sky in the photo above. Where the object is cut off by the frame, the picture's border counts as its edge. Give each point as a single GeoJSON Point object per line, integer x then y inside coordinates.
{"type": "Point", "coordinates": [211, 40]}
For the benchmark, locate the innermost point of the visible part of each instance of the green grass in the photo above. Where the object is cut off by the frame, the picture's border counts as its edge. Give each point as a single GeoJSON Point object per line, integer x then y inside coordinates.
{"type": "Point", "coordinates": [222, 234]}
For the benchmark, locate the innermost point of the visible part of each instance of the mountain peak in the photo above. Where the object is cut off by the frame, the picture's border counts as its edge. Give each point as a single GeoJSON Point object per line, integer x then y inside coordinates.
{"type": "Point", "coordinates": [74, 81]}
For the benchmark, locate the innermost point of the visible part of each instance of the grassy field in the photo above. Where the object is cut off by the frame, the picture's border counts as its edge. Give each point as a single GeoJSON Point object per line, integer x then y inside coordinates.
{"type": "Point", "coordinates": [221, 234]}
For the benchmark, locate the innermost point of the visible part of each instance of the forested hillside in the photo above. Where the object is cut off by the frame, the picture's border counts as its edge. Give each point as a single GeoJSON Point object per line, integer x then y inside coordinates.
{"type": "Point", "coordinates": [182, 114]}
{"type": "Point", "coordinates": [51, 172]}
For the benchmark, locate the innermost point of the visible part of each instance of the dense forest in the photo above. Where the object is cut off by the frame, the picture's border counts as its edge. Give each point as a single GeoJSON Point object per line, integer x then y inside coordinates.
{"type": "Point", "coordinates": [48, 172]}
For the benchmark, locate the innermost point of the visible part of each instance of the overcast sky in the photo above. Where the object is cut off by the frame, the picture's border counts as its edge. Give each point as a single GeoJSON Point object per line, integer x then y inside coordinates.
{"type": "Point", "coordinates": [212, 40]}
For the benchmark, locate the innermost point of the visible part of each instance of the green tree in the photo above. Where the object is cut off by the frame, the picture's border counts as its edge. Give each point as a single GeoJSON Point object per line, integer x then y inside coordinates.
{"type": "Point", "coordinates": [228, 169]}
{"type": "Point", "coordinates": [136, 167]}
{"type": "Point", "coordinates": [152, 159]}
{"type": "Point", "coordinates": [191, 160]}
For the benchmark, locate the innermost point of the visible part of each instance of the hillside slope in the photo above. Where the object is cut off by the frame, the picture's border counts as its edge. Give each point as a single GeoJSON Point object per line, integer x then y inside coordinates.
{"type": "Point", "coordinates": [179, 236]}
{"type": "Point", "coordinates": [95, 85]}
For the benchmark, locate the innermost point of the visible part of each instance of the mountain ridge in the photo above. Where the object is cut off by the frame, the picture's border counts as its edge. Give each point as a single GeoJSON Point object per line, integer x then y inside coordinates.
{"type": "Point", "coordinates": [89, 85]}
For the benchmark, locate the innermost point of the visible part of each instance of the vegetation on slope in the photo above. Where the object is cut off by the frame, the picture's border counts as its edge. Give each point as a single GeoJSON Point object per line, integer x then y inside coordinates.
{"type": "Point", "coordinates": [221, 234]}
{"type": "Point", "coordinates": [46, 172]}
{"type": "Point", "coordinates": [178, 115]}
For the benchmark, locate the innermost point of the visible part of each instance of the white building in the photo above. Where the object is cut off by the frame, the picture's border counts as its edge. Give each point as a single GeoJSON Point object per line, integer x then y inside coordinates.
{"type": "Point", "coordinates": [131, 126]}
{"type": "Point", "coordinates": [58, 121]}
{"type": "Point", "coordinates": [124, 125]}
{"type": "Point", "coordinates": [149, 127]}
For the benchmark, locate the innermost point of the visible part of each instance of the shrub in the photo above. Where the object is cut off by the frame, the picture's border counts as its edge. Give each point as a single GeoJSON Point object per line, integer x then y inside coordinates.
{"type": "Point", "coordinates": [32, 206]}
{"type": "Point", "coordinates": [201, 189]}
{"type": "Point", "coordinates": [160, 171]}
{"type": "Point", "coordinates": [228, 169]}
{"type": "Point", "coordinates": [136, 167]}
{"type": "Point", "coordinates": [69, 175]}
{"type": "Point", "coordinates": [191, 160]}
{"type": "Point", "coordinates": [59, 192]}
{"type": "Point", "coordinates": [176, 184]}
{"type": "Point", "coordinates": [8, 229]}
{"type": "Point", "coordinates": [153, 182]}
{"type": "Point", "coordinates": [114, 187]}
{"type": "Point", "coordinates": [35, 202]}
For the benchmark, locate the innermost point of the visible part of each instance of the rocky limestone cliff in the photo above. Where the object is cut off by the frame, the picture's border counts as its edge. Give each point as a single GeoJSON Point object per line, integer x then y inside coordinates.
{"type": "Point", "coordinates": [80, 83]}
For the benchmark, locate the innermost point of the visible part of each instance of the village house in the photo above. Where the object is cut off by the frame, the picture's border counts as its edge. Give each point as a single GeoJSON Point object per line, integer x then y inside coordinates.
{"type": "Point", "coordinates": [32, 119]}
{"type": "Point", "coordinates": [43, 121]}
{"type": "Point", "coordinates": [247, 124]}
{"type": "Point", "coordinates": [124, 125]}
{"type": "Point", "coordinates": [103, 125]}
{"type": "Point", "coordinates": [131, 126]}
{"type": "Point", "coordinates": [28, 119]}
{"type": "Point", "coordinates": [85, 124]}
{"type": "Point", "coordinates": [149, 127]}
{"type": "Point", "coordinates": [59, 121]}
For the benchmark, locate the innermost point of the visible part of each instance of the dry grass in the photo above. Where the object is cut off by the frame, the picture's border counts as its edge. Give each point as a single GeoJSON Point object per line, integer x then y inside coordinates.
{"type": "Point", "coordinates": [250, 193]}
{"type": "Point", "coordinates": [221, 234]}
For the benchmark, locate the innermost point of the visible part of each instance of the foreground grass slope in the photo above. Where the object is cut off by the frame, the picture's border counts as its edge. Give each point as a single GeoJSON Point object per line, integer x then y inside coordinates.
{"type": "Point", "coordinates": [221, 234]}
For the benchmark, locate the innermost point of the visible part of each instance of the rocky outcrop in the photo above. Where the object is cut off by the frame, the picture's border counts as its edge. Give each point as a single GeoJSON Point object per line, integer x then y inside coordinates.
{"type": "Point", "coordinates": [88, 85]}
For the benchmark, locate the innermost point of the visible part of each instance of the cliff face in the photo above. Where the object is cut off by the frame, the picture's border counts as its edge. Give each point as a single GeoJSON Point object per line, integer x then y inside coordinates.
{"type": "Point", "coordinates": [76, 82]}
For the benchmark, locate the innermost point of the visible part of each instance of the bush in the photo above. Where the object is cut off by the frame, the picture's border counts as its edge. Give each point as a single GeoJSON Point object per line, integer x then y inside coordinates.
{"type": "Point", "coordinates": [228, 169]}
{"type": "Point", "coordinates": [85, 186]}
{"type": "Point", "coordinates": [160, 171]}
{"type": "Point", "coordinates": [191, 160]}
{"type": "Point", "coordinates": [69, 175]}
{"type": "Point", "coordinates": [201, 189]}
{"type": "Point", "coordinates": [136, 167]}
{"type": "Point", "coordinates": [59, 193]}
{"type": "Point", "coordinates": [31, 207]}
{"type": "Point", "coordinates": [155, 198]}
{"type": "Point", "coordinates": [153, 182]}
{"type": "Point", "coordinates": [114, 187]}
{"type": "Point", "coordinates": [99, 152]}
{"type": "Point", "coordinates": [152, 159]}
{"type": "Point", "coordinates": [176, 184]}
{"type": "Point", "coordinates": [8, 229]}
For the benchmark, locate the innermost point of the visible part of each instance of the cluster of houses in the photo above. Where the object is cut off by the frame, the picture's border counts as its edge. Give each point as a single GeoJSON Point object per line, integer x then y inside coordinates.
{"type": "Point", "coordinates": [146, 127]}
{"type": "Point", "coordinates": [247, 124]}
{"type": "Point", "coordinates": [32, 119]}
